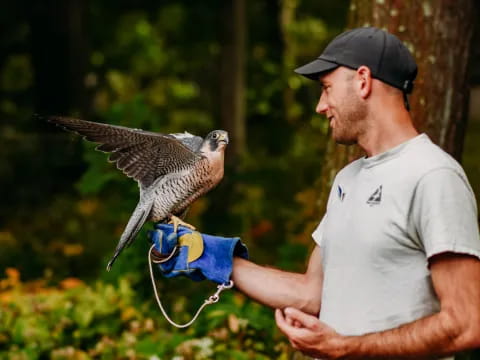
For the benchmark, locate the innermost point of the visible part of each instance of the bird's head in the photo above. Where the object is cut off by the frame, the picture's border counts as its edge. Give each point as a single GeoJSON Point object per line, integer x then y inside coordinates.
{"type": "Point", "coordinates": [217, 140]}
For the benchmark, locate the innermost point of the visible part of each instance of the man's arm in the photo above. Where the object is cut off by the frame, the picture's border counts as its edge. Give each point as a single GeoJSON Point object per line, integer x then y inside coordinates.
{"type": "Point", "coordinates": [456, 327]}
{"type": "Point", "coordinates": [279, 289]}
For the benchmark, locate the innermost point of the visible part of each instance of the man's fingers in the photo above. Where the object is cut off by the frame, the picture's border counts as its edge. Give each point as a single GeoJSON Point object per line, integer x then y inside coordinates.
{"type": "Point", "coordinates": [281, 322]}
{"type": "Point", "coordinates": [292, 322]}
{"type": "Point", "coordinates": [300, 318]}
{"type": "Point", "coordinates": [297, 324]}
{"type": "Point", "coordinates": [286, 324]}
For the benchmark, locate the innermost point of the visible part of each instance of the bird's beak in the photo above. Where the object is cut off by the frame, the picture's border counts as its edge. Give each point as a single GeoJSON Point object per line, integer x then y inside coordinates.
{"type": "Point", "coordinates": [223, 138]}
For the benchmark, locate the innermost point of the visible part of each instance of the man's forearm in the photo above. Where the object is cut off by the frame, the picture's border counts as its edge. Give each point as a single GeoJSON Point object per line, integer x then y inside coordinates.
{"type": "Point", "coordinates": [455, 328]}
{"type": "Point", "coordinates": [276, 288]}
{"type": "Point", "coordinates": [432, 337]}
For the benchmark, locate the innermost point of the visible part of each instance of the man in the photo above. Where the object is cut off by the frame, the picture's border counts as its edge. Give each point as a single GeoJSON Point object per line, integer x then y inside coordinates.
{"type": "Point", "coordinates": [396, 269]}
{"type": "Point", "coordinates": [395, 273]}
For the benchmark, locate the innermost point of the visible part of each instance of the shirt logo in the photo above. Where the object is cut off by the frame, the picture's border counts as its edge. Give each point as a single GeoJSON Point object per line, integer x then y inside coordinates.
{"type": "Point", "coordinates": [341, 193]}
{"type": "Point", "coordinates": [376, 197]}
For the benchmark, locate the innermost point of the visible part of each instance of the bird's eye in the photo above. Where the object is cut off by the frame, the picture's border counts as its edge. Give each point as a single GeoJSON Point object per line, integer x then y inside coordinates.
{"type": "Point", "coordinates": [215, 135]}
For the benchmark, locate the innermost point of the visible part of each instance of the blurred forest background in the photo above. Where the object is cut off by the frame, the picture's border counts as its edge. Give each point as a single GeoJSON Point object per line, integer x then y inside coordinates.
{"type": "Point", "coordinates": [171, 66]}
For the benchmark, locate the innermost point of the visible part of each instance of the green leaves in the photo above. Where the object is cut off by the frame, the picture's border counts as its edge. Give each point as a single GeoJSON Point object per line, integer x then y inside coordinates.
{"type": "Point", "coordinates": [154, 66]}
{"type": "Point", "coordinates": [109, 322]}
{"type": "Point", "coordinates": [17, 73]}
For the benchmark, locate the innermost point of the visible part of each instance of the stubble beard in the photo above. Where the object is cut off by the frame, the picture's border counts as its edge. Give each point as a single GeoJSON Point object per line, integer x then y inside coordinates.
{"type": "Point", "coordinates": [351, 117]}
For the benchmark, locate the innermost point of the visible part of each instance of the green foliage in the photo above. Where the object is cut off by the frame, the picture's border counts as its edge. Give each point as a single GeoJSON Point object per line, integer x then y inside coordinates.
{"type": "Point", "coordinates": [156, 65]}
{"type": "Point", "coordinates": [149, 68]}
{"type": "Point", "coordinates": [102, 321]}
{"type": "Point", "coordinates": [17, 73]}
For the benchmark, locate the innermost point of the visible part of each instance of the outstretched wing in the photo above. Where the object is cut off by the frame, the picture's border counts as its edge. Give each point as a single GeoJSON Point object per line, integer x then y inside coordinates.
{"type": "Point", "coordinates": [142, 155]}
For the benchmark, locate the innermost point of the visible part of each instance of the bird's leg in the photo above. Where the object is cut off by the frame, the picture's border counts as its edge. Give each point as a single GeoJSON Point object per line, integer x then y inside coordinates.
{"type": "Point", "coordinates": [177, 222]}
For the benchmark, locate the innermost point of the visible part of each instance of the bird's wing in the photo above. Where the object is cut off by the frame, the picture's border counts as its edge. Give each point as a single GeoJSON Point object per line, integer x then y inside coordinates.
{"type": "Point", "coordinates": [142, 155]}
{"type": "Point", "coordinates": [191, 141]}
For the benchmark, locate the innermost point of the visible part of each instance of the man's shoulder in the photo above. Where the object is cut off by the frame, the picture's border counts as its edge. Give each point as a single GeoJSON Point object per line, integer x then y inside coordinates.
{"type": "Point", "coordinates": [410, 162]}
{"type": "Point", "coordinates": [426, 156]}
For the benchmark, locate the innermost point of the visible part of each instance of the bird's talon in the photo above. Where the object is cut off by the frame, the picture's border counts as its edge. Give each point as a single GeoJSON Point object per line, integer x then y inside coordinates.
{"type": "Point", "coordinates": [177, 222]}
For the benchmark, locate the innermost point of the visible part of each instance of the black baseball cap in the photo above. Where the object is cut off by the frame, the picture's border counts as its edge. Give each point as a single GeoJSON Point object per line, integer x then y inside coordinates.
{"type": "Point", "coordinates": [383, 53]}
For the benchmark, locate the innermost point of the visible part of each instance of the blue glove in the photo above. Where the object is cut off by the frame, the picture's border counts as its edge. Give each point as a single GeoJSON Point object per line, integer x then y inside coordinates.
{"type": "Point", "coordinates": [197, 256]}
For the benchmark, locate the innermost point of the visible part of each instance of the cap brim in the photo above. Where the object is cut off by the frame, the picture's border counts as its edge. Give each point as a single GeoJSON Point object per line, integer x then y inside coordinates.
{"type": "Point", "coordinates": [314, 69]}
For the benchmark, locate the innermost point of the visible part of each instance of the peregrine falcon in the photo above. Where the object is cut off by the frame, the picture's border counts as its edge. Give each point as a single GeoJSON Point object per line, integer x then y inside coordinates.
{"type": "Point", "coordinates": [172, 170]}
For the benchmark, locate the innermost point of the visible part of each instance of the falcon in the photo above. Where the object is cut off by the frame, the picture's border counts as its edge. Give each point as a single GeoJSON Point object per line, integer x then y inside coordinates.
{"type": "Point", "coordinates": [172, 170]}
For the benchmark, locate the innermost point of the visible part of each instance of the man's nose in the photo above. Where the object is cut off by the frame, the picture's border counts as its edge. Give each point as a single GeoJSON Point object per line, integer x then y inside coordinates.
{"type": "Point", "coordinates": [322, 105]}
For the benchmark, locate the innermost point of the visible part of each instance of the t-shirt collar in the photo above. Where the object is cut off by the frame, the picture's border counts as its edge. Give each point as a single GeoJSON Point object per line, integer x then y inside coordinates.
{"type": "Point", "coordinates": [393, 152]}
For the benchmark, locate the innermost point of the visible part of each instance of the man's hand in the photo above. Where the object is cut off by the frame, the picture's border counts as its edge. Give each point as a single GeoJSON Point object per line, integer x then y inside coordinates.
{"type": "Point", "coordinates": [309, 335]}
{"type": "Point", "coordinates": [456, 327]}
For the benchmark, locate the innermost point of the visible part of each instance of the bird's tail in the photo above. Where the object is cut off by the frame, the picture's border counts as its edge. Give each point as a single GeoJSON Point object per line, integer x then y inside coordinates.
{"type": "Point", "coordinates": [134, 225]}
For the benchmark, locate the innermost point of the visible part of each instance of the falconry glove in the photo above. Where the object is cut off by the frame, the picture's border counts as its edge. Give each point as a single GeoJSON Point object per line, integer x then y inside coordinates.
{"type": "Point", "coordinates": [195, 255]}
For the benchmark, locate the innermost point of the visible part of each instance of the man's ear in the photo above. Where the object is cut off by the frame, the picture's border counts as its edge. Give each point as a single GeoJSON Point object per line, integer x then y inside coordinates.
{"type": "Point", "coordinates": [364, 77]}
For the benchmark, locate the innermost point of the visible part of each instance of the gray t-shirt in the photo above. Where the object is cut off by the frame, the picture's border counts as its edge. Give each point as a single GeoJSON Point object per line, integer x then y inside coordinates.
{"type": "Point", "coordinates": [386, 215]}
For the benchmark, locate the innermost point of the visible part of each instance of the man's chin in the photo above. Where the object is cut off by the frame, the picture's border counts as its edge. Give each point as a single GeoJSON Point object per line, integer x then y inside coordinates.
{"type": "Point", "coordinates": [343, 140]}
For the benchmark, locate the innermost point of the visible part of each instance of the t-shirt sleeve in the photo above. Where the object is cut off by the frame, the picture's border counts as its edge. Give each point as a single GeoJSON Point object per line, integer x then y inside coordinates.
{"type": "Point", "coordinates": [445, 214]}
{"type": "Point", "coordinates": [317, 234]}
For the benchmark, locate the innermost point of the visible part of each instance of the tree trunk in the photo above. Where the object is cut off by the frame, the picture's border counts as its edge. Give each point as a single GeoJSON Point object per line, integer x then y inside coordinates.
{"type": "Point", "coordinates": [233, 77]}
{"type": "Point", "coordinates": [439, 34]}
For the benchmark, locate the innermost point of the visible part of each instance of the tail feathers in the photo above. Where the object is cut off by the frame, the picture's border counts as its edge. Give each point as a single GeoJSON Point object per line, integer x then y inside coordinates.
{"type": "Point", "coordinates": [134, 225]}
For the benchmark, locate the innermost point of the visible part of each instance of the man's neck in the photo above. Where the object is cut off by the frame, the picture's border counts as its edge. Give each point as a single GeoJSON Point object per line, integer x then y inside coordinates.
{"type": "Point", "coordinates": [386, 131]}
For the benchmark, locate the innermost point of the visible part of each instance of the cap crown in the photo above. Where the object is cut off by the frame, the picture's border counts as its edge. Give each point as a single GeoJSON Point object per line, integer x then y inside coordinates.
{"type": "Point", "coordinates": [385, 55]}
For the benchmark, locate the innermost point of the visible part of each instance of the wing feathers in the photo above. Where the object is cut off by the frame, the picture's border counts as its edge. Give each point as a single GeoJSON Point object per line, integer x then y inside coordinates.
{"type": "Point", "coordinates": [142, 155]}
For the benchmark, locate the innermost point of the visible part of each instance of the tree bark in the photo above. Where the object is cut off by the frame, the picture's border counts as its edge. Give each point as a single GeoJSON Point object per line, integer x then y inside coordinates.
{"type": "Point", "coordinates": [232, 90]}
{"type": "Point", "coordinates": [438, 33]}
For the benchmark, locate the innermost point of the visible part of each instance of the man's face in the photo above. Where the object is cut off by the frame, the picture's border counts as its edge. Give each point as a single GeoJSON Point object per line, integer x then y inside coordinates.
{"type": "Point", "coordinates": [341, 104]}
